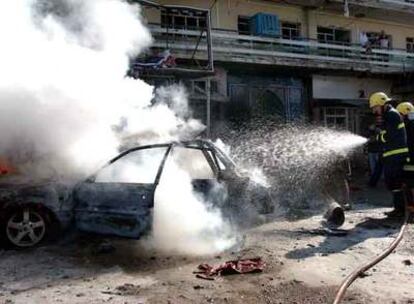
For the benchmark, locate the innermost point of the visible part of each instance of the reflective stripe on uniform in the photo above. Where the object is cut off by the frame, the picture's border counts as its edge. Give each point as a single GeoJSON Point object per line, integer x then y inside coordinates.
{"type": "Point", "coordinates": [401, 126]}
{"type": "Point", "coordinates": [409, 168]}
{"type": "Point", "coordinates": [382, 136]}
{"type": "Point", "coordinates": [395, 152]}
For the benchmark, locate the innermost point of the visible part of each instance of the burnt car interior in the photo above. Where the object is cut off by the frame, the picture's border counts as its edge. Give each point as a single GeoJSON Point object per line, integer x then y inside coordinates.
{"type": "Point", "coordinates": [118, 199]}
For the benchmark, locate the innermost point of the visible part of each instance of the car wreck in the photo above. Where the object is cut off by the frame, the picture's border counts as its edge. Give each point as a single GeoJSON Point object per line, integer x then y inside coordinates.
{"type": "Point", "coordinates": [118, 200]}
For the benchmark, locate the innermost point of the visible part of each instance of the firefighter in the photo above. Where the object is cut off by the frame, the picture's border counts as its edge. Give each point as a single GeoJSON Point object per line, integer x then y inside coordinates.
{"type": "Point", "coordinates": [406, 109]}
{"type": "Point", "coordinates": [394, 148]}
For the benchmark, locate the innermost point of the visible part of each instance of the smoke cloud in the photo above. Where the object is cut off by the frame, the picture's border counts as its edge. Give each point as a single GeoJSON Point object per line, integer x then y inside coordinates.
{"type": "Point", "coordinates": [63, 88]}
{"type": "Point", "coordinates": [185, 222]}
{"type": "Point", "coordinates": [66, 106]}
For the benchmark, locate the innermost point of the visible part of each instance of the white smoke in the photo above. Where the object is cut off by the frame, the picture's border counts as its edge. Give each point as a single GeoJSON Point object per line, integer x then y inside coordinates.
{"type": "Point", "coordinates": [156, 124]}
{"type": "Point", "coordinates": [184, 222]}
{"type": "Point", "coordinates": [66, 105]}
{"type": "Point", "coordinates": [63, 85]}
{"type": "Point", "coordinates": [61, 90]}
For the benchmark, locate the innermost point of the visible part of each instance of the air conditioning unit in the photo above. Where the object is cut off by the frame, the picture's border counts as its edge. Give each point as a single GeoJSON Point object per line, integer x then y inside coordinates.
{"type": "Point", "coordinates": [263, 24]}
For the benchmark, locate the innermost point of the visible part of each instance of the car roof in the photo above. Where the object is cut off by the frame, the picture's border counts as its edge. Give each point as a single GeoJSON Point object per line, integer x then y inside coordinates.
{"type": "Point", "coordinates": [196, 143]}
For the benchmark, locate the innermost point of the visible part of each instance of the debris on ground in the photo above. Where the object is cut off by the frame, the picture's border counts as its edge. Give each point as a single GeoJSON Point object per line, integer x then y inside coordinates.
{"type": "Point", "coordinates": [364, 275]}
{"type": "Point", "coordinates": [126, 289]}
{"type": "Point", "coordinates": [325, 232]}
{"type": "Point", "coordinates": [407, 262]}
{"type": "Point", "coordinates": [208, 272]}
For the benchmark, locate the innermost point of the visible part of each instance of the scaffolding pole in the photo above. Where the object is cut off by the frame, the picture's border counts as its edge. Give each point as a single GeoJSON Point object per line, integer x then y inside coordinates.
{"type": "Point", "coordinates": [208, 118]}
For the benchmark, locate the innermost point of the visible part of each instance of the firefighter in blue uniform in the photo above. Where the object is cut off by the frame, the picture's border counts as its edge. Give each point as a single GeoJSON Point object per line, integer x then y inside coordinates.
{"type": "Point", "coordinates": [406, 109]}
{"type": "Point", "coordinates": [393, 139]}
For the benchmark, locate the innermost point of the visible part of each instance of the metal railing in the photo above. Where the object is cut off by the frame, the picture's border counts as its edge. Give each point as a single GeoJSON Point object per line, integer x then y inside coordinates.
{"type": "Point", "coordinates": [404, 2]}
{"type": "Point", "coordinates": [385, 4]}
{"type": "Point", "coordinates": [231, 46]}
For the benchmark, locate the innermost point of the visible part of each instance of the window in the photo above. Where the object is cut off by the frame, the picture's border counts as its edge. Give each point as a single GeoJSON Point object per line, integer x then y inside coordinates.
{"type": "Point", "coordinates": [333, 35]}
{"type": "Point", "coordinates": [335, 118]}
{"type": "Point", "coordinates": [190, 160]}
{"type": "Point", "coordinates": [243, 25]}
{"type": "Point", "coordinates": [137, 167]}
{"type": "Point", "coordinates": [290, 30]}
{"type": "Point", "coordinates": [410, 44]}
{"type": "Point", "coordinates": [345, 118]}
{"type": "Point", "coordinates": [183, 19]}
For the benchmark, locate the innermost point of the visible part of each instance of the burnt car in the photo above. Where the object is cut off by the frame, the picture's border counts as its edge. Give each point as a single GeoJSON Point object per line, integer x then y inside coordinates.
{"type": "Point", "coordinates": [118, 200]}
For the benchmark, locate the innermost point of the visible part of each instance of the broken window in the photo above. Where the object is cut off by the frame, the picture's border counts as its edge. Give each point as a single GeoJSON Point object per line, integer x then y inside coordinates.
{"type": "Point", "coordinates": [333, 35]}
{"type": "Point", "coordinates": [410, 44]}
{"type": "Point", "coordinates": [243, 25]}
{"type": "Point", "coordinates": [137, 167]}
{"type": "Point", "coordinates": [290, 30]}
{"type": "Point", "coordinates": [192, 161]}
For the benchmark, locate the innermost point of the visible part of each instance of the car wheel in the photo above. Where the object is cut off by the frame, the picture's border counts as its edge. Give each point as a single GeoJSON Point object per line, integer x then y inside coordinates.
{"type": "Point", "coordinates": [25, 228]}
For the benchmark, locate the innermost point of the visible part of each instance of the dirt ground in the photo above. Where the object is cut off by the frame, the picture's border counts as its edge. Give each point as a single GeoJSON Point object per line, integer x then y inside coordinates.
{"type": "Point", "coordinates": [304, 265]}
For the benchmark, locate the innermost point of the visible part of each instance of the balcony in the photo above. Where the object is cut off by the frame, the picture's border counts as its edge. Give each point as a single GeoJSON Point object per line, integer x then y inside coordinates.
{"type": "Point", "coordinates": [229, 46]}
{"type": "Point", "coordinates": [406, 6]}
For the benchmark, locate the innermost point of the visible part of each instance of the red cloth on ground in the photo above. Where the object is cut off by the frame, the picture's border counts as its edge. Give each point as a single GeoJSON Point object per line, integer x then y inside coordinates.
{"type": "Point", "coordinates": [207, 271]}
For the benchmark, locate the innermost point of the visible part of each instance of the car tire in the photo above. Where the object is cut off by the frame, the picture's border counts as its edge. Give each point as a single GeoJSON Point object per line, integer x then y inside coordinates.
{"type": "Point", "coordinates": [24, 227]}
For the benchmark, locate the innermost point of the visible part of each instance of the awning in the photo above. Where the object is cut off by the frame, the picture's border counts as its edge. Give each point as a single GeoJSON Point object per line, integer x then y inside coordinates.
{"type": "Point", "coordinates": [330, 102]}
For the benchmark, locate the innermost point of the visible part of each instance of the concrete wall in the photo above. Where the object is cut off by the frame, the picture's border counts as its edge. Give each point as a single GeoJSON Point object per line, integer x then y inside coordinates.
{"type": "Point", "coordinates": [225, 14]}
{"type": "Point", "coordinates": [334, 87]}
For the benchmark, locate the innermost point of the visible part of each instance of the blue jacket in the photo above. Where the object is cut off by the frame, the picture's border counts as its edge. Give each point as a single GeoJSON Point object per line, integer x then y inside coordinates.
{"type": "Point", "coordinates": [393, 137]}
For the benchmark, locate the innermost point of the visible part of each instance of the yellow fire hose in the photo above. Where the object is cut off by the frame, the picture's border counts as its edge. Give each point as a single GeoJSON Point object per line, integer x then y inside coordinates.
{"type": "Point", "coordinates": [354, 275]}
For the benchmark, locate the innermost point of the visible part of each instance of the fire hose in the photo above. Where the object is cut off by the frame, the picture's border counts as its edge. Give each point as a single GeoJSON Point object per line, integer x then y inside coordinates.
{"type": "Point", "coordinates": [356, 273]}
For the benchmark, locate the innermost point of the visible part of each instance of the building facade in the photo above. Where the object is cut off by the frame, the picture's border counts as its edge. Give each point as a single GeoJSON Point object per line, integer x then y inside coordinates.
{"type": "Point", "coordinates": [312, 60]}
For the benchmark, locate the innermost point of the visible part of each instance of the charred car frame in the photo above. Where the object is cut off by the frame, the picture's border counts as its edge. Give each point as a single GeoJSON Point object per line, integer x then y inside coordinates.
{"type": "Point", "coordinates": [118, 199]}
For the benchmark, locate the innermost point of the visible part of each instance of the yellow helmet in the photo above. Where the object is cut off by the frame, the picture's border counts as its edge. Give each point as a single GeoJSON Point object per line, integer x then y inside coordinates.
{"type": "Point", "coordinates": [405, 107]}
{"type": "Point", "coordinates": [378, 99]}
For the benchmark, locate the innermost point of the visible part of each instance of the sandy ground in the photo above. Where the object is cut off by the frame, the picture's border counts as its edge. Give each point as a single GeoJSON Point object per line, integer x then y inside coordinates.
{"type": "Point", "coordinates": [304, 265]}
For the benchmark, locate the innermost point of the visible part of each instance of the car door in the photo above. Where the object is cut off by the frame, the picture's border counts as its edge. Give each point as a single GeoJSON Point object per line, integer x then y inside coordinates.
{"type": "Point", "coordinates": [118, 199]}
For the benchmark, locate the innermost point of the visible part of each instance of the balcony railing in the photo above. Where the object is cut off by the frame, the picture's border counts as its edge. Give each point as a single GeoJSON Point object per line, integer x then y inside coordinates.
{"type": "Point", "coordinates": [399, 5]}
{"type": "Point", "coordinates": [398, 2]}
{"type": "Point", "coordinates": [230, 46]}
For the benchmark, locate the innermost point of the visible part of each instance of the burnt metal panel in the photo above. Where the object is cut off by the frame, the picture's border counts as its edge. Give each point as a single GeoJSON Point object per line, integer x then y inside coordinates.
{"type": "Point", "coordinates": [115, 209]}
